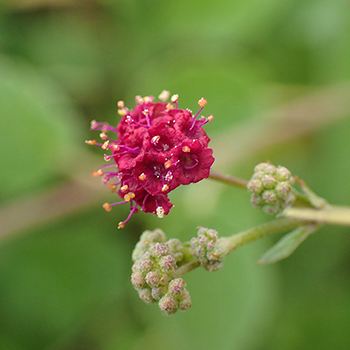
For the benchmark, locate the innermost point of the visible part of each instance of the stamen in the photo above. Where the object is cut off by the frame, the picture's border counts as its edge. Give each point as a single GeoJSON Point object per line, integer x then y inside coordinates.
{"type": "Point", "coordinates": [145, 112]}
{"type": "Point", "coordinates": [129, 196]}
{"type": "Point", "coordinates": [160, 212]}
{"type": "Point", "coordinates": [112, 187]}
{"type": "Point", "coordinates": [107, 207]}
{"type": "Point", "coordinates": [165, 188]}
{"type": "Point", "coordinates": [155, 139]}
{"type": "Point", "coordinates": [210, 118]}
{"type": "Point", "coordinates": [138, 99]}
{"type": "Point", "coordinates": [103, 136]}
{"type": "Point", "coordinates": [167, 164]}
{"type": "Point", "coordinates": [186, 149]}
{"type": "Point", "coordinates": [94, 124]}
{"type": "Point", "coordinates": [168, 107]}
{"type": "Point", "coordinates": [122, 223]}
{"type": "Point", "coordinates": [202, 102]}
{"type": "Point", "coordinates": [164, 95]}
{"type": "Point", "coordinates": [97, 173]}
{"type": "Point", "coordinates": [121, 104]}
{"type": "Point", "coordinates": [124, 188]}
{"type": "Point", "coordinates": [105, 145]}
{"type": "Point", "coordinates": [122, 112]}
{"type": "Point", "coordinates": [91, 142]}
{"type": "Point", "coordinates": [147, 99]}
{"type": "Point", "coordinates": [174, 98]}
{"type": "Point", "coordinates": [142, 176]}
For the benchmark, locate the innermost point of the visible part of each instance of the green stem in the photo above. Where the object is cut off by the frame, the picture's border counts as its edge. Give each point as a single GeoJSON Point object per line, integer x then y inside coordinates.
{"type": "Point", "coordinates": [231, 243]}
{"type": "Point", "coordinates": [228, 179]}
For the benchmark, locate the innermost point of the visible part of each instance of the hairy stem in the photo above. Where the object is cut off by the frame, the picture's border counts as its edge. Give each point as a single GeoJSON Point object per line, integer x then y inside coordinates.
{"type": "Point", "coordinates": [228, 179]}
{"type": "Point", "coordinates": [231, 243]}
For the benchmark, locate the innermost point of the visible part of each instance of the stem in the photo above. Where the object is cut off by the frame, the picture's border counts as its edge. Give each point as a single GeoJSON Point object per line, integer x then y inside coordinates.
{"type": "Point", "coordinates": [277, 226]}
{"type": "Point", "coordinates": [182, 270]}
{"type": "Point", "coordinates": [227, 179]}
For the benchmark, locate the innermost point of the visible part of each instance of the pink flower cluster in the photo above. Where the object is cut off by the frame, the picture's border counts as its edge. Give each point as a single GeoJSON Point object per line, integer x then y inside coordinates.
{"type": "Point", "coordinates": [158, 148]}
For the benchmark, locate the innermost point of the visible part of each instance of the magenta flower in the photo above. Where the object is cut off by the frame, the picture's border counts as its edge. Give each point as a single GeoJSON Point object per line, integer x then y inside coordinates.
{"type": "Point", "coordinates": [158, 147]}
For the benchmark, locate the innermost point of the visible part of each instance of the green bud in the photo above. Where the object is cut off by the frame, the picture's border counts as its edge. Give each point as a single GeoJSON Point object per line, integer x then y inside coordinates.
{"type": "Point", "coordinates": [175, 248]}
{"type": "Point", "coordinates": [168, 304]}
{"type": "Point", "coordinates": [185, 300]}
{"type": "Point", "coordinates": [205, 249]}
{"type": "Point", "coordinates": [167, 264]}
{"type": "Point", "coordinates": [159, 249]}
{"type": "Point", "coordinates": [153, 278]}
{"type": "Point", "coordinates": [146, 295]}
{"type": "Point", "coordinates": [177, 286]}
{"type": "Point", "coordinates": [275, 192]}
{"type": "Point", "coordinates": [137, 280]}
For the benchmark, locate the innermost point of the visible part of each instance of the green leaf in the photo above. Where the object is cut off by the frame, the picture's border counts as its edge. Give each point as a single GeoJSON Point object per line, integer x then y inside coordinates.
{"type": "Point", "coordinates": [287, 245]}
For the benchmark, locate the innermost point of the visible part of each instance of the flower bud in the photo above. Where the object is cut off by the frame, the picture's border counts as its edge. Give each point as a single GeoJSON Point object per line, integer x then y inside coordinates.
{"type": "Point", "coordinates": [206, 250]}
{"type": "Point", "coordinates": [146, 295]}
{"type": "Point", "coordinates": [168, 304]}
{"type": "Point", "coordinates": [177, 286]}
{"type": "Point", "coordinates": [167, 264]}
{"type": "Point", "coordinates": [185, 300]}
{"type": "Point", "coordinates": [153, 278]}
{"type": "Point", "coordinates": [159, 249]}
{"type": "Point", "coordinates": [175, 248]}
{"type": "Point", "coordinates": [137, 280]}
{"type": "Point", "coordinates": [271, 188]}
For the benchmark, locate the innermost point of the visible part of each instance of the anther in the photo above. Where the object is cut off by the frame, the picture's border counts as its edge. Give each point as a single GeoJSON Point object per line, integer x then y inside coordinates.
{"type": "Point", "coordinates": [174, 98]}
{"type": "Point", "coordinates": [129, 196]}
{"type": "Point", "coordinates": [160, 212]}
{"type": "Point", "coordinates": [105, 145]}
{"type": "Point", "coordinates": [202, 102]}
{"type": "Point", "coordinates": [106, 207]}
{"type": "Point", "coordinates": [186, 149]}
{"type": "Point", "coordinates": [142, 176]}
{"type": "Point", "coordinates": [98, 172]}
{"type": "Point", "coordinates": [167, 164]}
{"type": "Point", "coordinates": [165, 188]}
{"type": "Point", "coordinates": [121, 224]}
{"type": "Point", "coordinates": [145, 112]}
{"type": "Point", "coordinates": [107, 158]}
{"type": "Point", "coordinates": [115, 147]}
{"type": "Point", "coordinates": [103, 136]}
{"type": "Point", "coordinates": [147, 99]}
{"type": "Point", "coordinates": [210, 118]}
{"type": "Point", "coordinates": [121, 104]}
{"type": "Point", "coordinates": [155, 139]}
{"type": "Point", "coordinates": [94, 124]}
{"type": "Point", "coordinates": [138, 99]}
{"type": "Point", "coordinates": [169, 106]}
{"type": "Point", "coordinates": [124, 188]}
{"type": "Point", "coordinates": [122, 112]}
{"type": "Point", "coordinates": [91, 142]}
{"type": "Point", "coordinates": [112, 187]}
{"type": "Point", "coordinates": [164, 95]}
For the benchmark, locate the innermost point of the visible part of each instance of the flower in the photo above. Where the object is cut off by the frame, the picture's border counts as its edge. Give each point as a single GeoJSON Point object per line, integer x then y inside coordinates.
{"type": "Point", "coordinates": [158, 148]}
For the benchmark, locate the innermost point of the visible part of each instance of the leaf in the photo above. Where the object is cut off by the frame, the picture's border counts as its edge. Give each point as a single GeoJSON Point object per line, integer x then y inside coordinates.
{"type": "Point", "coordinates": [287, 245]}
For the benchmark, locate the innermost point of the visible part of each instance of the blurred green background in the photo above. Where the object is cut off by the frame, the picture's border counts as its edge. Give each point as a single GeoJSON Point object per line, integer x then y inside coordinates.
{"type": "Point", "coordinates": [276, 76]}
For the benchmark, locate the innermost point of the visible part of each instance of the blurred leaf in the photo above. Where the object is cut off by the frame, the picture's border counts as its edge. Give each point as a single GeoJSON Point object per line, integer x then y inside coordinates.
{"type": "Point", "coordinates": [287, 245]}
{"type": "Point", "coordinates": [53, 279]}
{"type": "Point", "coordinates": [41, 128]}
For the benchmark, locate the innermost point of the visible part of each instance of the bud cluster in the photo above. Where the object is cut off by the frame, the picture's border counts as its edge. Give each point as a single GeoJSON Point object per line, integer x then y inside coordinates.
{"type": "Point", "coordinates": [271, 188]}
{"type": "Point", "coordinates": [206, 249]}
{"type": "Point", "coordinates": [155, 261]}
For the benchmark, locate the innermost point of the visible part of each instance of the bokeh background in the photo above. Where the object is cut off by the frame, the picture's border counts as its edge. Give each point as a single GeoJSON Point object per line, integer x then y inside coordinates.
{"type": "Point", "coordinates": [276, 76]}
